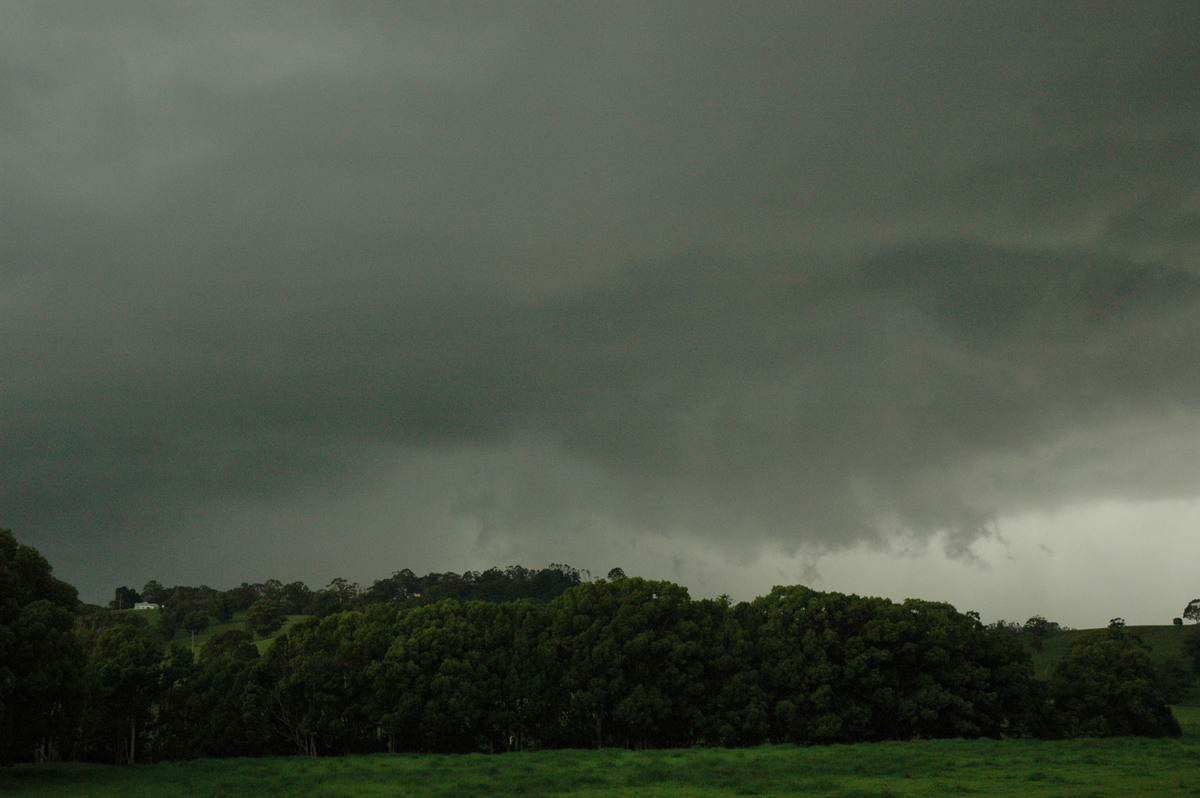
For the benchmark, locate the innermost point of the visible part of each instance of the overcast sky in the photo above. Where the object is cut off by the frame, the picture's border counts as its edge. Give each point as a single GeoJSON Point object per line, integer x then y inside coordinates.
{"type": "Point", "coordinates": [890, 298]}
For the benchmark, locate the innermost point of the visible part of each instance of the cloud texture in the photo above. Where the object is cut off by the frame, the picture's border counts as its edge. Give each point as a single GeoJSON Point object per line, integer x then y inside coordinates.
{"type": "Point", "coordinates": [510, 280]}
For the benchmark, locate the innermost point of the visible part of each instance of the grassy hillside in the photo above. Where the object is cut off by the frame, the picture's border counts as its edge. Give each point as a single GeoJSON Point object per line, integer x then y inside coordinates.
{"type": "Point", "coordinates": [187, 639]}
{"type": "Point", "coordinates": [1164, 642]}
{"type": "Point", "coordinates": [184, 637]}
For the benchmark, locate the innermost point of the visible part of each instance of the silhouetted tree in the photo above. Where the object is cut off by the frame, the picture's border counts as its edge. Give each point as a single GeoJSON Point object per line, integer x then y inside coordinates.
{"type": "Point", "coordinates": [1192, 610]}
{"type": "Point", "coordinates": [1037, 629]}
{"type": "Point", "coordinates": [41, 658]}
{"type": "Point", "coordinates": [124, 599]}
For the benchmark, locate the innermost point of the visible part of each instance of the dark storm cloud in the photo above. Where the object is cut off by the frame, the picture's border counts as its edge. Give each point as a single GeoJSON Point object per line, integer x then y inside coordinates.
{"type": "Point", "coordinates": [810, 405]}
{"type": "Point", "coordinates": [825, 273]}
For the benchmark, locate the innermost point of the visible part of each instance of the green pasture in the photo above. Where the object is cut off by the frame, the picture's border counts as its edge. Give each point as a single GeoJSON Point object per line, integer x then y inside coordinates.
{"type": "Point", "coordinates": [1090, 767]}
{"type": "Point", "coordinates": [196, 641]}
{"type": "Point", "coordinates": [184, 637]}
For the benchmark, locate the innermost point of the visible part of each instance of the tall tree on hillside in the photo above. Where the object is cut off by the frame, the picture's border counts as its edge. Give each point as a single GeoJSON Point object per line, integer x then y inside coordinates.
{"type": "Point", "coordinates": [264, 617]}
{"type": "Point", "coordinates": [1192, 610]}
{"type": "Point", "coordinates": [294, 598]}
{"type": "Point", "coordinates": [41, 659]}
{"type": "Point", "coordinates": [338, 596]}
{"type": "Point", "coordinates": [1038, 629]}
{"type": "Point", "coordinates": [1106, 686]}
{"type": "Point", "coordinates": [124, 599]}
{"type": "Point", "coordinates": [235, 600]}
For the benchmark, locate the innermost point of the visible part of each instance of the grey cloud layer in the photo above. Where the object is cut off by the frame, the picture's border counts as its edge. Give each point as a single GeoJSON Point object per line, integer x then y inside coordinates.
{"type": "Point", "coordinates": [828, 272]}
{"type": "Point", "coordinates": [816, 404]}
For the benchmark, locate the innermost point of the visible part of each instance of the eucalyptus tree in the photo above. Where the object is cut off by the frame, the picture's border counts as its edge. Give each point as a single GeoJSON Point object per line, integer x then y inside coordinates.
{"type": "Point", "coordinates": [315, 685]}
{"type": "Point", "coordinates": [206, 713]}
{"type": "Point", "coordinates": [841, 668]}
{"type": "Point", "coordinates": [126, 663]}
{"type": "Point", "coordinates": [441, 681]}
{"type": "Point", "coordinates": [41, 659]}
{"type": "Point", "coordinates": [631, 657]}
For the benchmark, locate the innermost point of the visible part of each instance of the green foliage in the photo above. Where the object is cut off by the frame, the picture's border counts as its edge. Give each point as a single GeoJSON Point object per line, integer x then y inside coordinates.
{"type": "Point", "coordinates": [154, 592]}
{"type": "Point", "coordinates": [209, 711]}
{"type": "Point", "coordinates": [495, 585]}
{"type": "Point", "coordinates": [1171, 650]}
{"type": "Point", "coordinates": [181, 602]}
{"type": "Point", "coordinates": [26, 577]}
{"type": "Point", "coordinates": [124, 599]}
{"type": "Point", "coordinates": [631, 653]}
{"type": "Point", "coordinates": [442, 681]}
{"type": "Point", "coordinates": [41, 659]}
{"type": "Point", "coordinates": [232, 644]}
{"type": "Point", "coordinates": [635, 663]}
{"type": "Point", "coordinates": [1190, 648]}
{"type": "Point", "coordinates": [623, 662]}
{"type": "Point", "coordinates": [1037, 629]}
{"type": "Point", "coordinates": [264, 617]}
{"type": "Point", "coordinates": [196, 621]}
{"type": "Point", "coordinates": [1106, 686]}
{"type": "Point", "coordinates": [126, 663]}
{"type": "Point", "coordinates": [315, 683]}
{"type": "Point", "coordinates": [839, 668]}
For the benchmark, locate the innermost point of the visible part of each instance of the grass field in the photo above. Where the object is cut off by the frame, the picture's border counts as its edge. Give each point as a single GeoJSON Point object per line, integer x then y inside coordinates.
{"type": "Point", "coordinates": [1113, 767]}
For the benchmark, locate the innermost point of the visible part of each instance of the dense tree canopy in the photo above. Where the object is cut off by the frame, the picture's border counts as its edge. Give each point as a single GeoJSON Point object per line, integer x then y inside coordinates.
{"type": "Point", "coordinates": [516, 659]}
{"type": "Point", "coordinates": [41, 659]}
{"type": "Point", "coordinates": [128, 669]}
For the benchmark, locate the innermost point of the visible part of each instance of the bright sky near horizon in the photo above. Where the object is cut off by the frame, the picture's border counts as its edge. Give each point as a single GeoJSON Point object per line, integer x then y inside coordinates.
{"type": "Point", "coordinates": [894, 299]}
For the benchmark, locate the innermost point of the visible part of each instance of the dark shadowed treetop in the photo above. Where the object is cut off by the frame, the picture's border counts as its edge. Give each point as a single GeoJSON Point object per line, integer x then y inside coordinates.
{"type": "Point", "coordinates": [25, 577]}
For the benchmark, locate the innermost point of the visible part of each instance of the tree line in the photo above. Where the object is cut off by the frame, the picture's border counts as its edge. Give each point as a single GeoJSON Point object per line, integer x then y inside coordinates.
{"type": "Point", "coordinates": [621, 661]}
{"type": "Point", "coordinates": [196, 608]}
